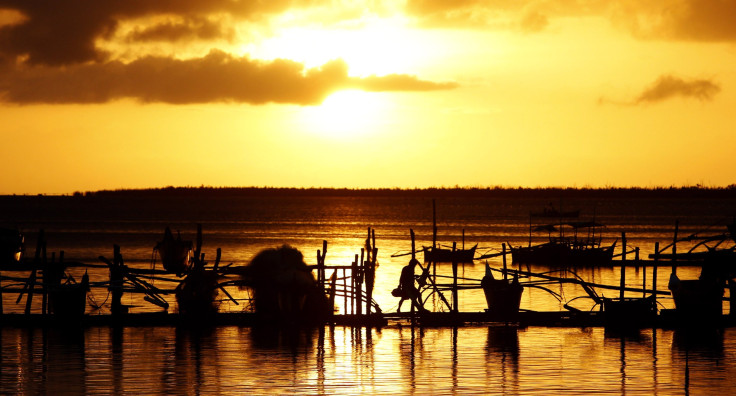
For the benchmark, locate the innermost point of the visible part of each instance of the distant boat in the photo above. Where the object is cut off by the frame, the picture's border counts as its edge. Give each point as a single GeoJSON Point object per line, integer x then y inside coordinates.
{"type": "Point", "coordinates": [551, 212]}
{"type": "Point", "coordinates": [174, 253]}
{"type": "Point", "coordinates": [562, 250]}
{"type": "Point", "coordinates": [444, 255]}
{"type": "Point", "coordinates": [11, 245]}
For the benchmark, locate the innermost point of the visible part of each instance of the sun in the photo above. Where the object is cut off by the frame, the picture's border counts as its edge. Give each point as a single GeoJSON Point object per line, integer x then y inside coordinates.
{"type": "Point", "coordinates": [346, 115]}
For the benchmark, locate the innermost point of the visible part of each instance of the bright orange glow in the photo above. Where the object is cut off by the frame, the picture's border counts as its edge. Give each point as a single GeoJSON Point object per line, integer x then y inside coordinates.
{"type": "Point", "coordinates": [345, 115]}
{"type": "Point", "coordinates": [379, 47]}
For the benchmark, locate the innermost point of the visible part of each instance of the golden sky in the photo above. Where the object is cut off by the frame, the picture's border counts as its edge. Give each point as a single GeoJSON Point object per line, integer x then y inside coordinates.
{"type": "Point", "coordinates": [416, 93]}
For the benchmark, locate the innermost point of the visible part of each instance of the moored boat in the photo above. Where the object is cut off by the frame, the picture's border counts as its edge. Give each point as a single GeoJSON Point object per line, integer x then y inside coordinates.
{"type": "Point", "coordinates": [174, 253]}
{"type": "Point", "coordinates": [564, 251]}
{"type": "Point", "coordinates": [69, 300]}
{"type": "Point", "coordinates": [11, 245]}
{"type": "Point", "coordinates": [443, 255]}
{"type": "Point", "coordinates": [503, 296]}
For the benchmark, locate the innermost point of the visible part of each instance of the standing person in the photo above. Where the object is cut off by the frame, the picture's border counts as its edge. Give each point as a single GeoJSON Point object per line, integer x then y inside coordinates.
{"type": "Point", "coordinates": [408, 290]}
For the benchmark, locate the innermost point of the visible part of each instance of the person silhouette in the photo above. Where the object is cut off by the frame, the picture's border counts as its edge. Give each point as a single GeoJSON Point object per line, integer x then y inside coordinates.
{"type": "Point", "coordinates": [408, 290]}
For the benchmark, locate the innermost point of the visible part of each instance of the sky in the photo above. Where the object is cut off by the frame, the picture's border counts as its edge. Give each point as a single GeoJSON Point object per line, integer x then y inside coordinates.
{"type": "Point", "coordinates": [366, 94]}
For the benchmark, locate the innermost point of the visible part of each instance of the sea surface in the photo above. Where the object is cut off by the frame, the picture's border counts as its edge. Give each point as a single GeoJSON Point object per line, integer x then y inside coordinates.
{"type": "Point", "coordinates": [341, 360]}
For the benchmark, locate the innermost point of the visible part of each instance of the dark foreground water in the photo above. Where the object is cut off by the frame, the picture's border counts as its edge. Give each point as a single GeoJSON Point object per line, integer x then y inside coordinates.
{"type": "Point", "coordinates": [477, 359]}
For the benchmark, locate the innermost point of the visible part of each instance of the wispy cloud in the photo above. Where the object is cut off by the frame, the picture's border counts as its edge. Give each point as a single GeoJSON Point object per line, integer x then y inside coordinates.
{"type": "Point", "coordinates": [668, 87]}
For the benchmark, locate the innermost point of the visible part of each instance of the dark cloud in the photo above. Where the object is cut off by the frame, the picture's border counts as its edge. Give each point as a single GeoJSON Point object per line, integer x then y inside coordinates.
{"type": "Point", "coordinates": [217, 77]}
{"type": "Point", "coordinates": [702, 20]}
{"type": "Point", "coordinates": [193, 28]}
{"type": "Point", "coordinates": [64, 32]}
{"type": "Point", "coordinates": [667, 87]}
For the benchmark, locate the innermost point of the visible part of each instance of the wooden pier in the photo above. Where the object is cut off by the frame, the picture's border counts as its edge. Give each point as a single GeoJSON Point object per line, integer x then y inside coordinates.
{"type": "Point", "coordinates": [350, 284]}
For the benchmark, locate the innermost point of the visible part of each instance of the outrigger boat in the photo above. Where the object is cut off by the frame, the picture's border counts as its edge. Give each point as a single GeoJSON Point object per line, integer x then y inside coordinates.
{"type": "Point", "coordinates": [174, 252]}
{"type": "Point", "coordinates": [444, 255]}
{"type": "Point", "coordinates": [561, 250]}
{"type": "Point", "coordinates": [11, 245]}
{"type": "Point", "coordinates": [502, 296]}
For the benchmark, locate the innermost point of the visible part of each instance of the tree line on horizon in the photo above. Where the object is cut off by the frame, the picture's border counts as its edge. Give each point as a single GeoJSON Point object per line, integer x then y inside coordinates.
{"type": "Point", "coordinates": [498, 191]}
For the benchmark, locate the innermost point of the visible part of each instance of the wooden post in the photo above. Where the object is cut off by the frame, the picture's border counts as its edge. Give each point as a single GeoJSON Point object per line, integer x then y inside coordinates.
{"type": "Point", "coordinates": [320, 271]}
{"type": "Point", "coordinates": [371, 280]}
{"type": "Point", "coordinates": [345, 289]}
{"type": "Point", "coordinates": [623, 247]}
{"type": "Point", "coordinates": [322, 263]}
{"type": "Point", "coordinates": [644, 275]}
{"type": "Point", "coordinates": [623, 282]}
{"type": "Point", "coordinates": [45, 281]}
{"type": "Point", "coordinates": [31, 286]}
{"type": "Point", "coordinates": [654, 272]}
{"type": "Point", "coordinates": [674, 248]}
{"type": "Point", "coordinates": [218, 257]}
{"type": "Point", "coordinates": [116, 282]}
{"type": "Point", "coordinates": [454, 279]}
{"type": "Point", "coordinates": [731, 298]}
{"type": "Point", "coordinates": [359, 283]}
{"type": "Point", "coordinates": [37, 261]}
{"type": "Point", "coordinates": [434, 235]}
{"type": "Point", "coordinates": [503, 254]}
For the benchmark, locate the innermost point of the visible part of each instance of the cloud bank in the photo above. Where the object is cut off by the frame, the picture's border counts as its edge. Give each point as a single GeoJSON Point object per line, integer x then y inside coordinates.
{"type": "Point", "coordinates": [217, 77]}
{"type": "Point", "coordinates": [50, 53]}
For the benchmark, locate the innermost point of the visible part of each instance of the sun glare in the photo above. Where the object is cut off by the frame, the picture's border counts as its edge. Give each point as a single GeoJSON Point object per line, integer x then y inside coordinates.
{"type": "Point", "coordinates": [345, 115]}
{"type": "Point", "coordinates": [379, 47]}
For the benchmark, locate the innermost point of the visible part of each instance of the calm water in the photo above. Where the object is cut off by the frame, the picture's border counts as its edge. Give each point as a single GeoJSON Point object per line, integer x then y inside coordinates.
{"type": "Point", "coordinates": [343, 360]}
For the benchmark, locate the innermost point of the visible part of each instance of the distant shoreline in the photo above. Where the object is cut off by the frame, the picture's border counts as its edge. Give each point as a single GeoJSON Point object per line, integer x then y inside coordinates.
{"type": "Point", "coordinates": [479, 192]}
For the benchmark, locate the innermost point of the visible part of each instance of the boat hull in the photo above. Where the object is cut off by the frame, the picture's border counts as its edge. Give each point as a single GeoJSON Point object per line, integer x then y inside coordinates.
{"type": "Point", "coordinates": [502, 296]}
{"type": "Point", "coordinates": [439, 255]}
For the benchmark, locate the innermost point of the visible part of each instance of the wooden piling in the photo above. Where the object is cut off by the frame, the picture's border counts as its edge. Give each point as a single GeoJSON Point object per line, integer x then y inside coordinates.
{"type": "Point", "coordinates": [674, 247]}
{"type": "Point", "coordinates": [623, 266]}
{"type": "Point", "coordinates": [358, 290]}
{"type": "Point", "coordinates": [321, 265]}
{"type": "Point", "coordinates": [116, 282]}
{"type": "Point", "coordinates": [503, 255]}
{"type": "Point", "coordinates": [654, 272]}
{"type": "Point", "coordinates": [623, 247]}
{"type": "Point", "coordinates": [455, 305]}
{"type": "Point", "coordinates": [345, 289]}
{"type": "Point", "coordinates": [31, 285]}
{"type": "Point", "coordinates": [434, 235]}
{"type": "Point", "coordinates": [644, 273]}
